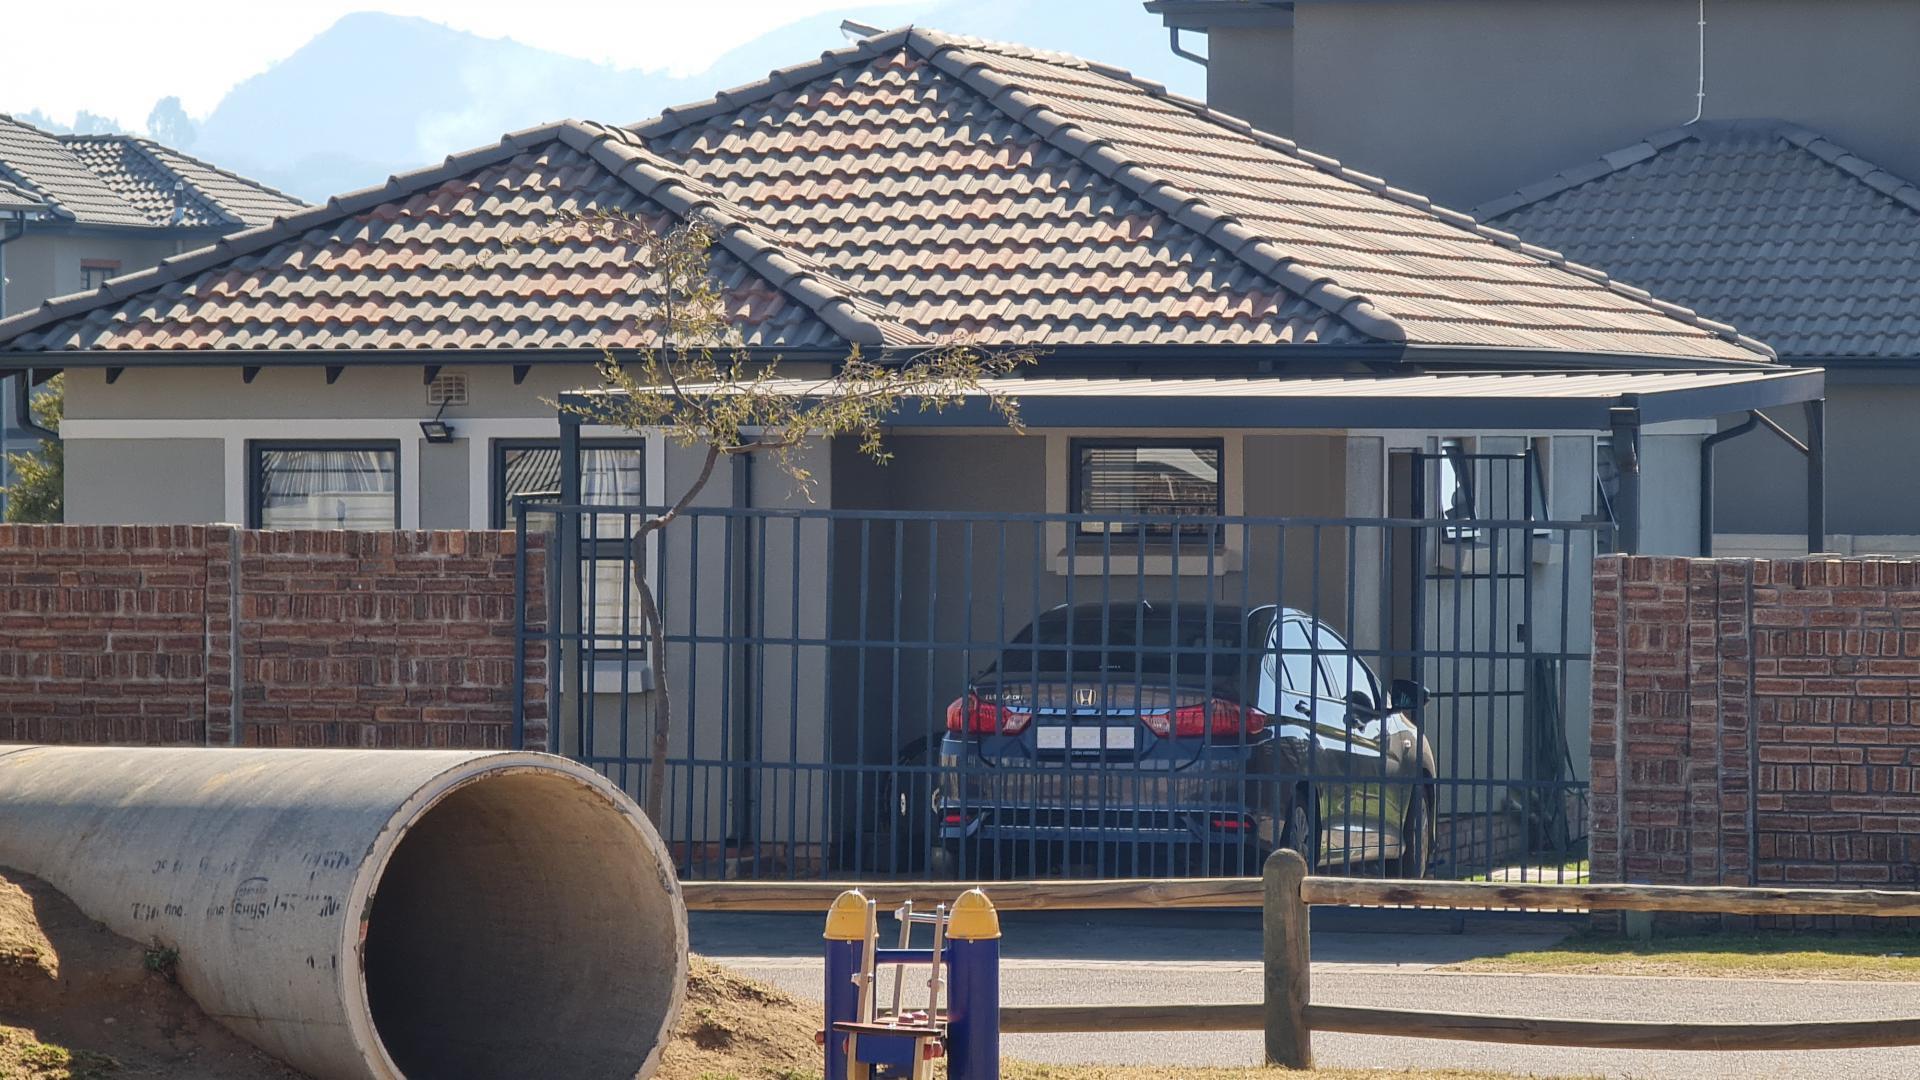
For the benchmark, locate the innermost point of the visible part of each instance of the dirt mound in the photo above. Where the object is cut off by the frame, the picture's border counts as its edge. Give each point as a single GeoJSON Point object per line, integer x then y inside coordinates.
{"type": "Point", "coordinates": [738, 1028]}
{"type": "Point", "coordinates": [78, 1002]}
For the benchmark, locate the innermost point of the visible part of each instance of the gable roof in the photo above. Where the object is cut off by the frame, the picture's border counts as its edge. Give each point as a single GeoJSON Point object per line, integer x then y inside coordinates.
{"type": "Point", "coordinates": [972, 180]}
{"type": "Point", "coordinates": [124, 180]}
{"type": "Point", "coordinates": [931, 186]}
{"type": "Point", "coordinates": [1801, 243]}
{"type": "Point", "coordinates": [441, 259]}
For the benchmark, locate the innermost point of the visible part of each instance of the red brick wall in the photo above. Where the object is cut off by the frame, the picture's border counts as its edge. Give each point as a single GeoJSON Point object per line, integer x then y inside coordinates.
{"type": "Point", "coordinates": [1753, 721]}
{"type": "Point", "coordinates": [181, 635]}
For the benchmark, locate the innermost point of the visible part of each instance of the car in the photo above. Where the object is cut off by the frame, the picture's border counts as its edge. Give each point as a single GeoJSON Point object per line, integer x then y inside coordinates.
{"type": "Point", "coordinates": [1106, 737]}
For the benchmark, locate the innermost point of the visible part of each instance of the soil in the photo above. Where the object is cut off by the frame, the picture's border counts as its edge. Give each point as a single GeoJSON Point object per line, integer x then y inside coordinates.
{"type": "Point", "coordinates": [78, 1002]}
{"type": "Point", "coordinates": [734, 1028]}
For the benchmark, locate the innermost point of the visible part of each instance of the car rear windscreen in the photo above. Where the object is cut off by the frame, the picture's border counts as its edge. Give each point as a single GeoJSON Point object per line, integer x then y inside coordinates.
{"type": "Point", "coordinates": [1130, 641]}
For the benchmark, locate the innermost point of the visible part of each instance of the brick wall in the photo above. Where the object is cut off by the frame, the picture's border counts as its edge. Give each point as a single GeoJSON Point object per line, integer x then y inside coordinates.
{"type": "Point", "coordinates": [1754, 721]}
{"type": "Point", "coordinates": [182, 635]}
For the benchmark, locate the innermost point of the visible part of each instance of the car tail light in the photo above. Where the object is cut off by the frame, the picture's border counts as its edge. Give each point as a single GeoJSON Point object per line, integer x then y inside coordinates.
{"type": "Point", "coordinates": [972, 716]}
{"type": "Point", "coordinates": [1220, 718]}
{"type": "Point", "coordinates": [1230, 823]}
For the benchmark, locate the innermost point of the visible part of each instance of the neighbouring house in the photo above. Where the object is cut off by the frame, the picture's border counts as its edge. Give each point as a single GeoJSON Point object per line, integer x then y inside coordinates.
{"type": "Point", "coordinates": [1266, 379]}
{"type": "Point", "coordinates": [76, 210]}
{"type": "Point", "coordinates": [1751, 160]}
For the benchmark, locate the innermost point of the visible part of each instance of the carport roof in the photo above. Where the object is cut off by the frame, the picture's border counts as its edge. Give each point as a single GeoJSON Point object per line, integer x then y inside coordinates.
{"type": "Point", "coordinates": [1576, 401]}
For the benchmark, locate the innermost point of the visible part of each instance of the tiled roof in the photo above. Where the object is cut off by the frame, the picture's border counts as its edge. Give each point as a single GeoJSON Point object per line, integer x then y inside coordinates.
{"type": "Point", "coordinates": [1027, 195]}
{"type": "Point", "coordinates": [129, 181]}
{"type": "Point", "coordinates": [451, 258]}
{"type": "Point", "coordinates": [1800, 243]}
{"type": "Point", "coordinates": [907, 188]}
{"type": "Point", "coordinates": [15, 197]}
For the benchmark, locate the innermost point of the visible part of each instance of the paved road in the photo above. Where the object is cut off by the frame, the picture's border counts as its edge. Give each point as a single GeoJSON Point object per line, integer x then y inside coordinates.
{"type": "Point", "coordinates": [1361, 958]}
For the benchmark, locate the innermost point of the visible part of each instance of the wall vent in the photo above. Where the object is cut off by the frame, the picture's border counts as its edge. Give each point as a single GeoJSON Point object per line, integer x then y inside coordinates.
{"type": "Point", "coordinates": [447, 388]}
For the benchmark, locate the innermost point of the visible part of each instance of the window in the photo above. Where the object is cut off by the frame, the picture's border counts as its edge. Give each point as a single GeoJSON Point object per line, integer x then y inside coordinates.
{"type": "Point", "coordinates": [612, 473]}
{"type": "Point", "coordinates": [95, 272]}
{"type": "Point", "coordinates": [1157, 479]}
{"type": "Point", "coordinates": [326, 485]}
{"type": "Point", "coordinates": [1296, 656]}
{"type": "Point", "coordinates": [1341, 672]}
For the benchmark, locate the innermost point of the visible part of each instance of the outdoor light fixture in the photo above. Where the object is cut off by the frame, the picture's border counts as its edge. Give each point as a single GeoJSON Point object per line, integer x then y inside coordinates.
{"type": "Point", "coordinates": [437, 430]}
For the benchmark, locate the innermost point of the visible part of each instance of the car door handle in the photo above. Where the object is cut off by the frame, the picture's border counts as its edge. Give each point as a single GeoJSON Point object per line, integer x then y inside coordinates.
{"type": "Point", "coordinates": [1303, 708]}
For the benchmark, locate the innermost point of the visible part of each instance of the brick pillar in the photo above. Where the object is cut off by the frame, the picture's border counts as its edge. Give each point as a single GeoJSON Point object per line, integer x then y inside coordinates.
{"type": "Point", "coordinates": [222, 609]}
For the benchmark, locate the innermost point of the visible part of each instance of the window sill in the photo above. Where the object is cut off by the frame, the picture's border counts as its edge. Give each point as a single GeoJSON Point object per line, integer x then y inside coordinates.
{"type": "Point", "coordinates": [1194, 560]}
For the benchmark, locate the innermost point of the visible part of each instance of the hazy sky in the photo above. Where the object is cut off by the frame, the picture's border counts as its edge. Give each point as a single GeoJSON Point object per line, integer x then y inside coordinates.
{"type": "Point", "coordinates": [137, 51]}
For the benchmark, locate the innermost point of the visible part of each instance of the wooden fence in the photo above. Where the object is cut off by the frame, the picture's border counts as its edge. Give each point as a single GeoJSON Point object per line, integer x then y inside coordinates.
{"type": "Point", "coordinates": [1286, 895]}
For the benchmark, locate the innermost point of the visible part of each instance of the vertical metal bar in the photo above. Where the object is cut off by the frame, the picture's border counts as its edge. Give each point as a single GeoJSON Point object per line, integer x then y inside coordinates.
{"type": "Point", "coordinates": [792, 777]}
{"type": "Point", "coordinates": [1625, 425]}
{"type": "Point", "coordinates": [568, 617]}
{"type": "Point", "coordinates": [757, 640]}
{"type": "Point", "coordinates": [1816, 475]}
{"type": "Point", "coordinates": [519, 627]}
{"type": "Point", "coordinates": [735, 735]}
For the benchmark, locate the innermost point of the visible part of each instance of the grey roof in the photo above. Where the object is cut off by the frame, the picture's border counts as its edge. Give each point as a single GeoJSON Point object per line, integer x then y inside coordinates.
{"type": "Point", "coordinates": [13, 197]}
{"type": "Point", "coordinates": [908, 188]}
{"type": "Point", "coordinates": [128, 181]}
{"type": "Point", "coordinates": [1766, 224]}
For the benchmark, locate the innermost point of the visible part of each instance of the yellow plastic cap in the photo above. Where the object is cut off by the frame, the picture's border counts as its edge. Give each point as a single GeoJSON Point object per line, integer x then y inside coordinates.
{"type": "Point", "coordinates": [973, 918]}
{"type": "Point", "coordinates": [847, 918]}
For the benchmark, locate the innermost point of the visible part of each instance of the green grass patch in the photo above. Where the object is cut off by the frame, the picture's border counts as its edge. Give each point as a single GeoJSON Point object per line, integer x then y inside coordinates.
{"type": "Point", "coordinates": [1889, 957]}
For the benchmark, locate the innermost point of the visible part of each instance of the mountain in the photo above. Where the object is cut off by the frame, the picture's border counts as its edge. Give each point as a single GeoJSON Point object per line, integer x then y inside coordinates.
{"type": "Point", "coordinates": [377, 94]}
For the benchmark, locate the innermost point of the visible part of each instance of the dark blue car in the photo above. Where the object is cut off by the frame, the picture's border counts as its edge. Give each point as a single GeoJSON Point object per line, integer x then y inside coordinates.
{"type": "Point", "coordinates": [1137, 735]}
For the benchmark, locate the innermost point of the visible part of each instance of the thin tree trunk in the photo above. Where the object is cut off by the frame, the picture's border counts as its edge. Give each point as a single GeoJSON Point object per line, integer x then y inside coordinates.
{"type": "Point", "coordinates": [656, 803]}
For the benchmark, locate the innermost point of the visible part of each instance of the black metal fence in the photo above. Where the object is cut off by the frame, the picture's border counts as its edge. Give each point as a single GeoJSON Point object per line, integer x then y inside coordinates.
{"type": "Point", "coordinates": [889, 693]}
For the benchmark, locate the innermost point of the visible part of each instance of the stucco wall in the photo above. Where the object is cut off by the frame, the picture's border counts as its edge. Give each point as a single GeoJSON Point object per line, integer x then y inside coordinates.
{"type": "Point", "coordinates": [45, 262]}
{"type": "Point", "coordinates": [1465, 100]}
{"type": "Point", "coordinates": [145, 481]}
{"type": "Point", "coordinates": [1873, 467]}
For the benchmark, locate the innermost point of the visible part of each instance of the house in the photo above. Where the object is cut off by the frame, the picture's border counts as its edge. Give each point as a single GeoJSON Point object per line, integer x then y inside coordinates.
{"type": "Point", "coordinates": [76, 210]}
{"type": "Point", "coordinates": [1376, 409]}
{"type": "Point", "coordinates": [1752, 161]}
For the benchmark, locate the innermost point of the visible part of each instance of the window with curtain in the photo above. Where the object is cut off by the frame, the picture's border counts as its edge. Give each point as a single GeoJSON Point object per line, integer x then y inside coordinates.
{"type": "Point", "coordinates": [324, 486]}
{"type": "Point", "coordinates": [1179, 479]}
{"type": "Point", "coordinates": [612, 474]}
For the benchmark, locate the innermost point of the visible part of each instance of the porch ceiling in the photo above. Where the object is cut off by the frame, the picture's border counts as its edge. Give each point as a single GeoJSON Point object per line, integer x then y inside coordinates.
{"type": "Point", "coordinates": [1537, 401]}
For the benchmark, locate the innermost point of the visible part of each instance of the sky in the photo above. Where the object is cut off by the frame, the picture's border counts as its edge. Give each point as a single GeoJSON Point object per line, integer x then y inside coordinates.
{"type": "Point", "coordinates": [210, 45]}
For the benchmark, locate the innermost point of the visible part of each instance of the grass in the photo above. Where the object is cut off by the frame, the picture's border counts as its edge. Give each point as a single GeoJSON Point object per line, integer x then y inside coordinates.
{"type": "Point", "coordinates": [24, 1056]}
{"type": "Point", "coordinates": [1883, 957]}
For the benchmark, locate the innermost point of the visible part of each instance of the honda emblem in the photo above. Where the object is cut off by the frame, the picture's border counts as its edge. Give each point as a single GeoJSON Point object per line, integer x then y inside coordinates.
{"type": "Point", "coordinates": [1083, 696]}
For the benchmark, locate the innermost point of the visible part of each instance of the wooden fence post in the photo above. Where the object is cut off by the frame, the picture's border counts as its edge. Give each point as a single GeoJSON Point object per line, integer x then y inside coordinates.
{"type": "Point", "coordinates": [1288, 961]}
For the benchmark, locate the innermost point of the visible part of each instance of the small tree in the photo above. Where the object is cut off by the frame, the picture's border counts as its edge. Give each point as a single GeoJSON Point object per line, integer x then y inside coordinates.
{"type": "Point", "coordinates": [39, 476]}
{"type": "Point", "coordinates": [699, 386]}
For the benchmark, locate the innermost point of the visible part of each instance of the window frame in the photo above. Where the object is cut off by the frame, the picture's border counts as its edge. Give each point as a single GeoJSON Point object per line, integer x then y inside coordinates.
{"type": "Point", "coordinates": [258, 448]}
{"type": "Point", "coordinates": [108, 269]}
{"type": "Point", "coordinates": [497, 509]}
{"type": "Point", "coordinates": [593, 549]}
{"type": "Point", "coordinates": [1135, 533]}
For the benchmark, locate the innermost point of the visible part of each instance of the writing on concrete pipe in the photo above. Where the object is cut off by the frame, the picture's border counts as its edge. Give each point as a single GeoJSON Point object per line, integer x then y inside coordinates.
{"type": "Point", "coordinates": [374, 914]}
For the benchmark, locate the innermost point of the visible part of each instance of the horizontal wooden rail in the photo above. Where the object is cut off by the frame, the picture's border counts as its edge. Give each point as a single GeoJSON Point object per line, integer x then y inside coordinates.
{"type": "Point", "coordinates": [1049, 1019]}
{"type": "Point", "coordinates": [1100, 895]}
{"type": "Point", "coordinates": [1690, 898]}
{"type": "Point", "coordinates": [1192, 893]}
{"type": "Point", "coordinates": [1471, 1027]}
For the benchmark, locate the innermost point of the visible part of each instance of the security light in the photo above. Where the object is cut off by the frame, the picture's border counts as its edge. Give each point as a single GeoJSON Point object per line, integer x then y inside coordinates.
{"type": "Point", "coordinates": [437, 430]}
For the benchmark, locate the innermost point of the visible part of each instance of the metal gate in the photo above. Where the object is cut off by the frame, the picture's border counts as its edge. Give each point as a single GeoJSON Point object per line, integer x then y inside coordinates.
{"type": "Point", "coordinates": [893, 693]}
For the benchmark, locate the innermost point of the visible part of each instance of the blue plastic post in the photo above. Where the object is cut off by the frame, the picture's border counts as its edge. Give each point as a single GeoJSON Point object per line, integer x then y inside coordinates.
{"type": "Point", "coordinates": [973, 989]}
{"type": "Point", "coordinates": [846, 945]}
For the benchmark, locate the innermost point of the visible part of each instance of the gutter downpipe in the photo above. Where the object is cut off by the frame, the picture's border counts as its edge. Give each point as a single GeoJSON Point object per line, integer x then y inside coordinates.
{"type": "Point", "coordinates": [1173, 42]}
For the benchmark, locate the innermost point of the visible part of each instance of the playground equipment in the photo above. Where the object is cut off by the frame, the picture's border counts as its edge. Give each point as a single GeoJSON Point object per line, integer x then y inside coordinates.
{"type": "Point", "coordinates": [371, 913]}
{"type": "Point", "coordinates": [863, 1043]}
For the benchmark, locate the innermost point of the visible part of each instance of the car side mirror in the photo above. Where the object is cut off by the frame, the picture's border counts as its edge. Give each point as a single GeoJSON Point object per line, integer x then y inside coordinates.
{"type": "Point", "coordinates": [1408, 694]}
{"type": "Point", "coordinates": [1361, 705]}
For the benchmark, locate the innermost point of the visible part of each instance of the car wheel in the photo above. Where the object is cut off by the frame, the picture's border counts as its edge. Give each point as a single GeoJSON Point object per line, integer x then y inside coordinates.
{"type": "Point", "coordinates": [1417, 835]}
{"type": "Point", "coordinates": [1300, 834]}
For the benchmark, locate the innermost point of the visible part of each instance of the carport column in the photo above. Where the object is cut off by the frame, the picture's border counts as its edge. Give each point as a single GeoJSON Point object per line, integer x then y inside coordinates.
{"type": "Point", "coordinates": [1624, 422]}
{"type": "Point", "coordinates": [1816, 475]}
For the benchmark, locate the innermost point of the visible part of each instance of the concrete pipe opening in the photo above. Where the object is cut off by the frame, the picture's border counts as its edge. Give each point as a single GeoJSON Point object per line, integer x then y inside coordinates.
{"type": "Point", "coordinates": [517, 929]}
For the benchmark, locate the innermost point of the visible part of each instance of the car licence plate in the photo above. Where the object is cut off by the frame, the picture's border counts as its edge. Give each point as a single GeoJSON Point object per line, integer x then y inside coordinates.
{"type": "Point", "coordinates": [1054, 737]}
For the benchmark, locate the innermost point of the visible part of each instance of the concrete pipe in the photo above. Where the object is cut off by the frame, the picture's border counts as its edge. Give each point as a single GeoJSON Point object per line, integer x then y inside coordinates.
{"type": "Point", "coordinates": [366, 913]}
